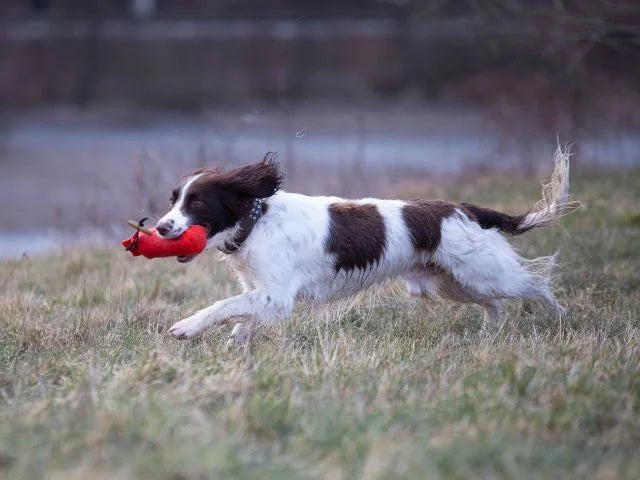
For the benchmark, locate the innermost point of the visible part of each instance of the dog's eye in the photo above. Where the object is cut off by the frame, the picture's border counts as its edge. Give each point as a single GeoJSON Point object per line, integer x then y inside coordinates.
{"type": "Point", "coordinates": [196, 203]}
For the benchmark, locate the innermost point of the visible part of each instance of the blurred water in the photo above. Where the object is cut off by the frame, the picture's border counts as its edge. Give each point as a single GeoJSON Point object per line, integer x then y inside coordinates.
{"type": "Point", "coordinates": [91, 146]}
{"type": "Point", "coordinates": [25, 243]}
{"type": "Point", "coordinates": [415, 139]}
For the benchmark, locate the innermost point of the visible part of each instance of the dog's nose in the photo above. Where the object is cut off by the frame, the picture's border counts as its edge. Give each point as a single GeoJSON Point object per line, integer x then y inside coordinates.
{"type": "Point", "coordinates": [163, 228]}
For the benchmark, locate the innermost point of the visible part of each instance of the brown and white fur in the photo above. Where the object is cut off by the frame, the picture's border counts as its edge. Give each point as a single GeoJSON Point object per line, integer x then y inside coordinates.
{"type": "Point", "coordinates": [326, 248]}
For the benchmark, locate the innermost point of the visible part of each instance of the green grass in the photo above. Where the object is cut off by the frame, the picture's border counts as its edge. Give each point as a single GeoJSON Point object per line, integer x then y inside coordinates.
{"type": "Point", "coordinates": [91, 387]}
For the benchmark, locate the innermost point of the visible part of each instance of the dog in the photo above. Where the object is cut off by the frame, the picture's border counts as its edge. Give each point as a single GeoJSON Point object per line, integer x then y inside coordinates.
{"type": "Point", "coordinates": [286, 247]}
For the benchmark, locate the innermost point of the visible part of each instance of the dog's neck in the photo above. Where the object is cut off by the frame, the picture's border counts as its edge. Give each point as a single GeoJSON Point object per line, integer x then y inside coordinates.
{"type": "Point", "coordinates": [244, 227]}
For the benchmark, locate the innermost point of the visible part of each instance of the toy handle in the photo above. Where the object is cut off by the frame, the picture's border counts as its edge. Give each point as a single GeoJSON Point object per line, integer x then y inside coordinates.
{"type": "Point", "coordinates": [140, 228]}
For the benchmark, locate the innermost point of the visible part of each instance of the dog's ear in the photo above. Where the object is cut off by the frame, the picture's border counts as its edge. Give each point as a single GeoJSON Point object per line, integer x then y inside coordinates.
{"type": "Point", "coordinates": [259, 180]}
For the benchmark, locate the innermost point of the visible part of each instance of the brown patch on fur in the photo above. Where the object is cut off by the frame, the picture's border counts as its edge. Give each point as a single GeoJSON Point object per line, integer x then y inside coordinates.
{"type": "Point", "coordinates": [357, 235]}
{"type": "Point", "coordinates": [423, 219]}
{"type": "Point", "coordinates": [488, 218]}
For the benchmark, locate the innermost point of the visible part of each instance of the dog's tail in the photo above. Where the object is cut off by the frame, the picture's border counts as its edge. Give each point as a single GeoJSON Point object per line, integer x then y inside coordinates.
{"type": "Point", "coordinates": [554, 203]}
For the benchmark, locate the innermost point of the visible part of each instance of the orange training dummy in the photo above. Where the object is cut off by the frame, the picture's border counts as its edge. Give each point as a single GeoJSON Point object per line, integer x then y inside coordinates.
{"type": "Point", "coordinates": [146, 242]}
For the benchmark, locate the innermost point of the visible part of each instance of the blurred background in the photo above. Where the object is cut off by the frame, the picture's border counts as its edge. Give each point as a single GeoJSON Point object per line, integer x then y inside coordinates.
{"type": "Point", "coordinates": [103, 103]}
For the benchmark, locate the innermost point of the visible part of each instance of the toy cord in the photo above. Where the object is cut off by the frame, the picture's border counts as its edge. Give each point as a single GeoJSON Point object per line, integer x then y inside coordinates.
{"type": "Point", "coordinates": [134, 243]}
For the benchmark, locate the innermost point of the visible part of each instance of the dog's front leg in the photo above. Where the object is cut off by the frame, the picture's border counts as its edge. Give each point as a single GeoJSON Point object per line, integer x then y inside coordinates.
{"type": "Point", "coordinates": [259, 305]}
{"type": "Point", "coordinates": [242, 333]}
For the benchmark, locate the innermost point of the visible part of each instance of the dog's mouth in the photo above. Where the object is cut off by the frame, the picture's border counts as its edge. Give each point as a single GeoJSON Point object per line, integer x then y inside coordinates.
{"type": "Point", "coordinates": [209, 230]}
{"type": "Point", "coordinates": [186, 258]}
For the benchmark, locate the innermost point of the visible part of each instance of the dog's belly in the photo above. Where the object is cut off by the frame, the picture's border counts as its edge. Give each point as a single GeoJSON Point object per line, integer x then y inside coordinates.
{"type": "Point", "coordinates": [334, 286]}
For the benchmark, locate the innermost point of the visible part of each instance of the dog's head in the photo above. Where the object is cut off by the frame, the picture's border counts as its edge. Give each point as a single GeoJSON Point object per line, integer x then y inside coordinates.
{"type": "Point", "coordinates": [218, 200]}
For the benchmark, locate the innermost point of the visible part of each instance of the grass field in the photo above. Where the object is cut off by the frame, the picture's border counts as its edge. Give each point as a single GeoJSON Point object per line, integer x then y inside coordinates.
{"type": "Point", "coordinates": [91, 387]}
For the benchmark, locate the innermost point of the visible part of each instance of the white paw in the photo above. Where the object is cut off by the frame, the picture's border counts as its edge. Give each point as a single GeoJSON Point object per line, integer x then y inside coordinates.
{"type": "Point", "coordinates": [187, 328]}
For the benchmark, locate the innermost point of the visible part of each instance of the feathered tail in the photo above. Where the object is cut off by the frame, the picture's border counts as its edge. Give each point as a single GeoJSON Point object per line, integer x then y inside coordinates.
{"type": "Point", "coordinates": [555, 196]}
{"type": "Point", "coordinates": [554, 204]}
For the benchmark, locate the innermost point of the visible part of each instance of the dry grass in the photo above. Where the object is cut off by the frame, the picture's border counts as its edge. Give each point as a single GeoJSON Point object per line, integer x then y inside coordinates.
{"type": "Point", "coordinates": [91, 387]}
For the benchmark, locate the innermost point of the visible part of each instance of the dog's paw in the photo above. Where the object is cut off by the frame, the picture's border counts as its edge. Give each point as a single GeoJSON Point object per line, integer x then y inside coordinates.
{"type": "Point", "coordinates": [187, 328]}
{"type": "Point", "coordinates": [241, 335]}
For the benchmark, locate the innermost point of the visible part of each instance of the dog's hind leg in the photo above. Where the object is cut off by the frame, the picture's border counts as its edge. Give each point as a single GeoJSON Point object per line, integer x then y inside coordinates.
{"type": "Point", "coordinates": [544, 296]}
{"type": "Point", "coordinates": [493, 317]}
{"type": "Point", "coordinates": [423, 281]}
{"type": "Point", "coordinates": [540, 272]}
{"type": "Point", "coordinates": [452, 289]}
{"type": "Point", "coordinates": [429, 281]}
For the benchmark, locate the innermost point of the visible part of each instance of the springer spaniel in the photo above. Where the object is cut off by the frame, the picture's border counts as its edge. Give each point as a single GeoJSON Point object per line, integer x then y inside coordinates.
{"type": "Point", "coordinates": [286, 246]}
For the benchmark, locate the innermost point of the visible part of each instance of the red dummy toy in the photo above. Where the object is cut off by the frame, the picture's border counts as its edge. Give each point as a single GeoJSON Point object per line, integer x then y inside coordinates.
{"type": "Point", "coordinates": [149, 244]}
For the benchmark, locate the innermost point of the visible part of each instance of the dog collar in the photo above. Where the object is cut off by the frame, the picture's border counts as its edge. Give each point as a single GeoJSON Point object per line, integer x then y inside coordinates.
{"type": "Point", "coordinates": [245, 226]}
